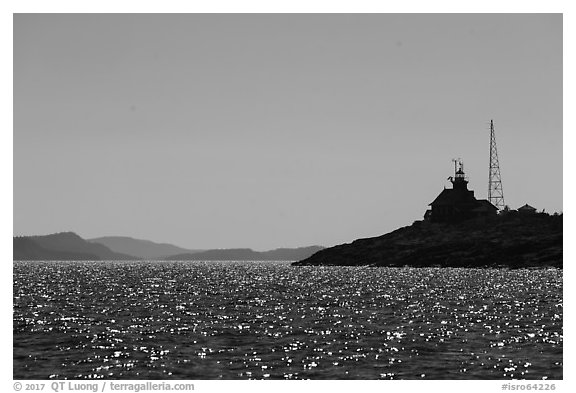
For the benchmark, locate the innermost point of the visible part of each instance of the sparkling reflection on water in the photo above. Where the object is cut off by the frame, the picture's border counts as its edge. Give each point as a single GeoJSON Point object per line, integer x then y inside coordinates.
{"type": "Point", "coordinates": [210, 320]}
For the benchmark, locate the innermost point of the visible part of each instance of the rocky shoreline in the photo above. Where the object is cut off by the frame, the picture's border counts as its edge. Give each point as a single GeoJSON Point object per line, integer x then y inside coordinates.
{"type": "Point", "coordinates": [511, 240]}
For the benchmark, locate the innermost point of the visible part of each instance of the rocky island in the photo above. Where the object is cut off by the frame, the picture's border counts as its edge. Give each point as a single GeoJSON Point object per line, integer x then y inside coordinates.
{"type": "Point", "coordinates": [512, 239]}
{"type": "Point", "coordinates": [459, 231]}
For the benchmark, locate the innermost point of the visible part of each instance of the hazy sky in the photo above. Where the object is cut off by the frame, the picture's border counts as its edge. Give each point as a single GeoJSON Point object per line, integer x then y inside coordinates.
{"type": "Point", "coordinates": [270, 130]}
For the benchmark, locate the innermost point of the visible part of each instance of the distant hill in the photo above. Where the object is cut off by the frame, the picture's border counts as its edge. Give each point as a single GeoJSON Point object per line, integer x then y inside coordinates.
{"type": "Point", "coordinates": [62, 246]}
{"type": "Point", "coordinates": [144, 249]}
{"type": "Point", "coordinates": [70, 246]}
{"type": "Point", "coordinates": [512, 240]}
{"type": "Point", "coordinates": [24, 248]}
{"type": "Point", "coordinates": [247, 254]}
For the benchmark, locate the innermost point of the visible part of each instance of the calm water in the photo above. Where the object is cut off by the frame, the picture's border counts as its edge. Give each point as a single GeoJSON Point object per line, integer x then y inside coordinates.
{"type": "Point", "coordinates": [196, 320]}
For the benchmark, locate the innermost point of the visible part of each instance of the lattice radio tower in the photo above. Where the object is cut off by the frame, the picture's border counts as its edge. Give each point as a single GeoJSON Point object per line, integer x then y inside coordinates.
{"type": "Point", "coordinates": [495, 192]}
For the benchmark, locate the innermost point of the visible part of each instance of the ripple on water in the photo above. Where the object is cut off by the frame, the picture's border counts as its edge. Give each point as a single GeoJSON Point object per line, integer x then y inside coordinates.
{"type": "Point", "coordinates": [204, 320]}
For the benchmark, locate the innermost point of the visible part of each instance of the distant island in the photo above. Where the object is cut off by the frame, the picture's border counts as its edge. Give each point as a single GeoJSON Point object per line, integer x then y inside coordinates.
{"type": "Point", "coordinates": [68, 246]}
{"type": "Point", "coordinates": [246, 254]}
{"type": "Point", "coordinates": [62, 246]}
{"type": "Point", "coordinates": [142, 249]}
{"type": "Point", "coordinates": [512, 239]}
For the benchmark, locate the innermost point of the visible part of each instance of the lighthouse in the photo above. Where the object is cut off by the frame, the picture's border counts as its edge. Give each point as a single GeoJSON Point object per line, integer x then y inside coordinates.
{"type": "Point", "coordinates": [458, 203]}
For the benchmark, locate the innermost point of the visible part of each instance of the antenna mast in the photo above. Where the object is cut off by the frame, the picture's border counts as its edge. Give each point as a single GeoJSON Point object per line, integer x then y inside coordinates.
{"type": "Point", "coordinates": [495, 192]}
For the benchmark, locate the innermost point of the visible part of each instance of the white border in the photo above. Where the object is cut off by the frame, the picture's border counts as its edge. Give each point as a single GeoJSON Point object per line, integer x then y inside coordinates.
{"type": "Point", "coordinates": [298, 6]}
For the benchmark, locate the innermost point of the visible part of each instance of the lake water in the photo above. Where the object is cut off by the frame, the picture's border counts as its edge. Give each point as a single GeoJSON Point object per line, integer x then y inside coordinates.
{"type": "Point", "coordinates": [241, 320]}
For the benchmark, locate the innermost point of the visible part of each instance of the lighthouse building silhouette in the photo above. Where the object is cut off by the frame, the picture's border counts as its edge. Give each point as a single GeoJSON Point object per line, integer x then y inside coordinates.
{"type": "Point", "coordinates": [458, 203]}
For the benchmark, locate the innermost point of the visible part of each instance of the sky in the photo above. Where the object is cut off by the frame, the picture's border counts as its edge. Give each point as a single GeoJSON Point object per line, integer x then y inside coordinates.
{"type": "Point", "coordinates": [276, 130]}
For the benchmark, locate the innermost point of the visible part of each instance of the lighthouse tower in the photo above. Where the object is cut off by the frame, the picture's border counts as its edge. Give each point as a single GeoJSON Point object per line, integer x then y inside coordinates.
{"type": "Point", "coordinates": [459, 181]}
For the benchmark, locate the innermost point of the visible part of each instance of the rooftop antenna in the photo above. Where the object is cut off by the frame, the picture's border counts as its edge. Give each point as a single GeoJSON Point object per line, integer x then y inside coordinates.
{"type": "Point", "coordinates": [495, 192]}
